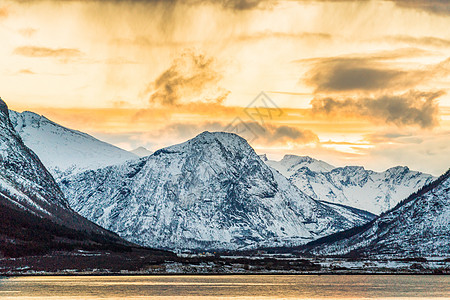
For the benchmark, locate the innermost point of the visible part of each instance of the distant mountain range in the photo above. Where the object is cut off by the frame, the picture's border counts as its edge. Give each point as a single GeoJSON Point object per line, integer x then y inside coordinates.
{"type": "Point", "coordinates": [66, 152]}
{"type": "Point", "coordinates": [419, 226]}
{"type": "Point", "coordinates": [213, 192]}
{"type": "Point", "coordinates": [354, 186]}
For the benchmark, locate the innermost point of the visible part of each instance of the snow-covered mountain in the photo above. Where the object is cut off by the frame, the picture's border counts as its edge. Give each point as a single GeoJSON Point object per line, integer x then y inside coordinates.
{"type": "Point", "coordinates": [211, 192]}
{"type": "Point", "coordinates": [354, 186]}
{"type": "Point", "coordinates": [26, 185]}
{"type": "Point", "coordinates": [141, 152]}
{"type": "Point", "coordinates": [64, 151]}
{"type": "Point", "coordinates": [290, 164]}
{"type": "Point", "coordinates": [418, 226]}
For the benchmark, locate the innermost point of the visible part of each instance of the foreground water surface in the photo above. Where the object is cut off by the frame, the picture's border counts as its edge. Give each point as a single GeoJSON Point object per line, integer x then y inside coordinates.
{"type": "Point", "coordinates": [227, 287]}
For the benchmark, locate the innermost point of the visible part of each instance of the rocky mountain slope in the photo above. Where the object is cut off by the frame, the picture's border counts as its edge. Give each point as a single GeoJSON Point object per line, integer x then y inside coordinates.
{"type": "Point", "coordinates": [211, 192]}
{"type": "Point", "coordinates": [64, 151]}
{"type": "Point", "coordinates": [32, 206]}
{"type": "Point", "coordinates": [418, 226]}
{"type": "Point", "coordinates": [354, 186]}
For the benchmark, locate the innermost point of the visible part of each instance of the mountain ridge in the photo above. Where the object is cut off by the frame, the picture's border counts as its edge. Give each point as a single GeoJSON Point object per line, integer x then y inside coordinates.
{"type": "Point", "coordinates": [351, 185]}
{"type": "Point", "coordinates": [210, 192]}
{"type": "Point", "coordinates": [391, 235]}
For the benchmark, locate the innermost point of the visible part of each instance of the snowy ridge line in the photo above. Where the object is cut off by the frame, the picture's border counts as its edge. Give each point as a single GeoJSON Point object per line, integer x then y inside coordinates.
{"type": "Point", "coordinates": [65, 151]}
{"type": "Point", "coordinates": [423, 190]}
{"type": "Point", "coordinates": [211, 192]}
{"type": "Point", "coordinates": [353, 186]}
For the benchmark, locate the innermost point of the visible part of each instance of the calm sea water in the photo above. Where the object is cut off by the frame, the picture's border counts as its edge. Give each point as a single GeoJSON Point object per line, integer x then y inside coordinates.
{"type": "Point", "coordinates": [227, 287]}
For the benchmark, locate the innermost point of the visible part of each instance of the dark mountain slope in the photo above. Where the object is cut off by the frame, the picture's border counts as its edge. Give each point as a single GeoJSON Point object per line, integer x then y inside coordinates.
{"type": "Point", "coordinates": [35, 218]}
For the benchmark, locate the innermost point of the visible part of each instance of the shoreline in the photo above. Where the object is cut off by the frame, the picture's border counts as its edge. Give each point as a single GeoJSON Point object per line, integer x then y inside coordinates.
{"type": "Point", "coordinates": [81, 274]}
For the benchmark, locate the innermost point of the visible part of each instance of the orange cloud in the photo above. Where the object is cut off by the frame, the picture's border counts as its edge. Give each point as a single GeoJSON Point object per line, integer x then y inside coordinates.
{"type": "Point", "coordinates": [33, 51]}
{"type": "Point", "coordinates": [27, 32]}
{"type": "Point", "coordinates": [190, 78]}
{"type": "Point", "coordinates": [4, 12]}
{"type": "Point", "coordinates": [26, 72]}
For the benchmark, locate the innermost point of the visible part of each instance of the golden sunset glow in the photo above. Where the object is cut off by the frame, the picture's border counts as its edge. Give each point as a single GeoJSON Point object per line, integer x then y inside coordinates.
{"type": "Point", "coordinates": [348, 82]}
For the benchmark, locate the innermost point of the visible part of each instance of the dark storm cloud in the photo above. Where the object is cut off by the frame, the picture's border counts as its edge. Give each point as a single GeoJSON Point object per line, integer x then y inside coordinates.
{"type": "Point", "coordinates": [440, 7]}
{"type": "Point", "coordinates": [186, 131]}
{"type": "Point", "coordinates": [413, 108]}
{"type": "Point", "coordinates": [270, 134]}
{"type": "Point", "coordinates": [370, 72]}
{"type": "Point", "coordinates": [240, 4]}
{"type": "Point", "coordinates": [349, 74]}
{"type": "Point", "coordinates": [187, 78]}
{"type": "Point", "coordinates": [32, 51]}
{"type": "Point", "coordinates": [287, 133]}
{"type": "Point", "coordinates": [237, 5]}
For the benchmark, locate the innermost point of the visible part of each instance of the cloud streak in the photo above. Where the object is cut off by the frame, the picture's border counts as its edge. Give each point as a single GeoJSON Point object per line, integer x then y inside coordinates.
{"type": "Point", "coordinates": [413, 108]}
{"type": "Point", "coordinates": [33, 51]}
{"type": "Point", "coordinates": [422, 41]}
{"type": "Point", "coordinates": [26, 72]}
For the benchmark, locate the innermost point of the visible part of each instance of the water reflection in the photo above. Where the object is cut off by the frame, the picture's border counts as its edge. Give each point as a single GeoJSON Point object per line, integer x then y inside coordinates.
{"type": "Point", "coordinates": [227, 287]}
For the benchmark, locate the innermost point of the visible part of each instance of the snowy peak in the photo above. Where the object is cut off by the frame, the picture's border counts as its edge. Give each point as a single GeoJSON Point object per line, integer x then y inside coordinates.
{"type": "Point", "coordinates": [290, 164]}
{"type": "Point", "coordinates": [30, 118]}
{"type": "Point", "coordinates": [4, 115]}
{"type": "Point", "coordinates": [3, 107]}
{"type": "Point", "coordinates": [293, 160]}
{"type": "Point", "coordinates": [141, 152]}
{"type": "Point", "coordinates": [205, 140]}
{"type": "Point", "coordinates": [62, 150]}
{"type": "Point", "coordinates": [263, 157]}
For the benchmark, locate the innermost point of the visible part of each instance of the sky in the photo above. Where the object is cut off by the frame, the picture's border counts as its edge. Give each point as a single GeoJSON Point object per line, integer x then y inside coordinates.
{"type": "Point", "coordinates": [348, 82]}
